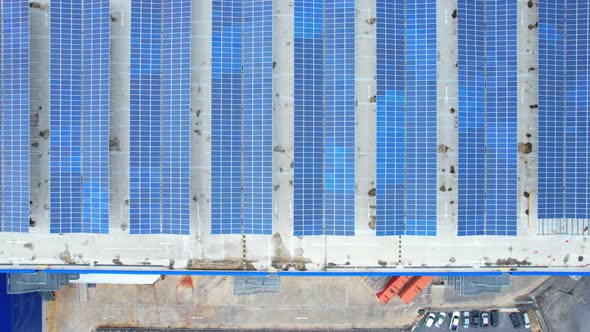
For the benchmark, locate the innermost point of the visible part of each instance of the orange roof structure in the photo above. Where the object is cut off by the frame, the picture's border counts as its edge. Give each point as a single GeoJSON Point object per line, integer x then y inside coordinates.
{"type": "Point", "coordinates": [413, 288]}
{"type": "Point", "coordinates": [393, 286]}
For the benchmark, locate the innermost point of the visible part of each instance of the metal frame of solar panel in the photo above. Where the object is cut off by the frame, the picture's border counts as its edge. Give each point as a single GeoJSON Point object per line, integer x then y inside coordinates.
{"type": "Point", "coordinates": [564, 137]}
{"type": "Point", "coordinates": [406, 118]}
{"type": "Point", "coordinates": [14, 116]}
{"type": "Point", "coordinates": [241, 117]}
{"type": "Point", "coordinates": [324, 132]}
{"type": "Point", "coordinates": [487, 118]}
{"type": "Point", "coordinates": [79, 118]}
{"type": "Point", "coordinates": [160, 117]}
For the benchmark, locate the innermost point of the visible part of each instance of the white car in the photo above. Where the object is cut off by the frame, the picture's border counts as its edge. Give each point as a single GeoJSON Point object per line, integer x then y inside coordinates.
{"type": "Point", "coordinates": [441, 319]}
{"type": "Point", "coordinates": [430, 320]}
{"type": "Point", "coordinates": [455, 317]}
{"type": "Point", "coordinates": [485, 319]}
{"type": "Point", "coordinates": [527, 321]}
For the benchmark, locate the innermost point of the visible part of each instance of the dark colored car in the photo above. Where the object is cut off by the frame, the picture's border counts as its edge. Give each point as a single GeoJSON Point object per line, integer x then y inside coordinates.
{"type": "Point", "coordinates": [494, 318]}
{"type": "Point", "coordinates": [516, 320]}
{"type": "Point", "coordinates": [474, 318]}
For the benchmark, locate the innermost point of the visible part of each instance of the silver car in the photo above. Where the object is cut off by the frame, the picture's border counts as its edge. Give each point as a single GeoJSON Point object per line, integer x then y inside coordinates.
{"type": "Point", "coordinates": [527, 321]}
{"type": "Point", "coordinates": [441, 319]}
{"type": "Point", "coordinates": [465, 319]}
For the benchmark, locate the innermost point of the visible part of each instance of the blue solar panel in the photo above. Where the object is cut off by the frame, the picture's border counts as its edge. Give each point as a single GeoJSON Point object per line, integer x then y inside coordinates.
{"type": "Point", "coordinates": [176, 103]}
{"type": "Point", "coordinates": [564, 137]}
{"type": "Point", "coordinates": [14, 116]}
{"type": "Point", "coordinates": [257, 117]}
{"type": "Point", "coordinates": [241, 117]}
{"type": "Point", "coordinates": [406, 118]}
{"type": "Point", "coordinates": [95, 114]}
{"type": "Point", "coordinates": [160, 117]}
{"type": "Point", "coordinates": [487, 117]}
{"type": "Point", "coordinates": [308, 207]}
{"type": "Point", "coordinates": [79, 119]}
{"type": "Point", "coordinates": [577, 122]}
{"type": "Point", "coordinates": [501, 117]}
{"type": "Point", "coordinates": [339, 117]}
{"type": "Point", "coordinates": [226, 118]}
{"type": "Point", "coordinates": [391, 88]}
{"type": "Point", "coordinates": [551, 168]}
{"type": "Point", "coordinates": [471, 118]}
{"type": "Point", "coordinates": [324, 118]}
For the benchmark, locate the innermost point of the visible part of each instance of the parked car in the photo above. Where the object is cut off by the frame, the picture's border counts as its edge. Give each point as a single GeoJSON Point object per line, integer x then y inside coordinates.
{"type": "Point", "coordinates": [527, 321]}
{"type": "Point", "coordinates": [441, 319]}
{"type": "Point", "coordinates": [485, 319]}
{"type": "Point", "coordinates": [475, 318]}
{"type": "Point", "coordinates": [494, 318]}
{"type": "Point", "coordinates": [430, 320]}
{"type": "Point", "coordinates": [465, 319]}
{"type": "Point", "coordinates": [515, 319]}
{"type": "Point", "coordinates": [455, 317]}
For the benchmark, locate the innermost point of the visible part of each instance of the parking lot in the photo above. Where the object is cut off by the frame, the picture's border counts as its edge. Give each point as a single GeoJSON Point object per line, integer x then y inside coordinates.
{"type": "Point", "coordinates": [504, 324]}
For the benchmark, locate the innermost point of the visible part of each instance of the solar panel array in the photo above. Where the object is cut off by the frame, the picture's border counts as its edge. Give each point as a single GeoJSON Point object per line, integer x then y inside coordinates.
{"type": "Point", "coordinates": [14, 116]}
{"type": "Point", "coordinates": [160, 117]}
{"type": "Point", "coordinates": [324, 164]}
{"type": "Point", "coordinates": [564, 156]}
{"type": "Point", "coordinates": [79, 118]}
{"type": "Point", "coordinates": [241, 117]}
{"type": "Point", "coordinates": [487, 117]}
{"type": "Point", "coordinates": [406, 118]}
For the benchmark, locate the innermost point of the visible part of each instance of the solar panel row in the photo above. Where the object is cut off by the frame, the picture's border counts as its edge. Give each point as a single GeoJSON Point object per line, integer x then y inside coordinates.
{"type": "Point", "coordinates": [241, 117]}
{"type": "Point", "coordinates": [226, 118]}
{"type": "Point", "coordinates": [176, 127]}
{"type": "Point", "coordinates": [79, 118]}
{"type": "Point", "coordinates": [406, 118]}
{"type": "Point", "coordinates": [487, 117]}
{"type": "Point", "coordinates": [339, 117]}
{"type": "Point", "coordinates": [501, 117]}
{"type": "Point", "coordinates": [471, 117]}
{"type": "Point", "coordinates": [257, 117]}
{"type": "Point", "coordinates": [308, 200]}
{"type": "Point", "coordinates": [14, 116]}
{"type": "Point", "coordinates": [577, 109]}
{"type": "Point", "coordinates": [160, 117]}
{"type": "Point", "coordinates": [551, 103]}
{"type": "Point", "coordinates": [564, 122]}
{"type": "Point", "coordinates": [324, 118]}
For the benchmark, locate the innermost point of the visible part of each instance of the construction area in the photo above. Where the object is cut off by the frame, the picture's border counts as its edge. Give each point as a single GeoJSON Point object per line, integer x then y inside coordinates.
{"type": "Point", "coordinates": [302, 303]}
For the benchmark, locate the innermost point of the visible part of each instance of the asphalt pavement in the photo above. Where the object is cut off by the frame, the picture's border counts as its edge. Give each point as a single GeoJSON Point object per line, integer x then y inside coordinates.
{"type": "Point", "coordinates": [565, 305]}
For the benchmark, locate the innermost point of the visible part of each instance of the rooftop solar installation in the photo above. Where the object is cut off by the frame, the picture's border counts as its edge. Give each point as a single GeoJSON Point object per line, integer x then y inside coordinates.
{"type": "Point", "coordinates": [241, 117]}
{"type": "Point", "coordinates": [564, 165]}
{"type": "Point", "coordinates": [487, 118]}
{"type": "Point", "coordinates": [14, 116]}
{"type": "Point", "coordinates": [324, 164]}
{"type": "Point", "coordinates": [160, 117]}
{"type": "Point", "coordinates": [406, 118]}
{"type": "Point", "coordinates": [79, 118]}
